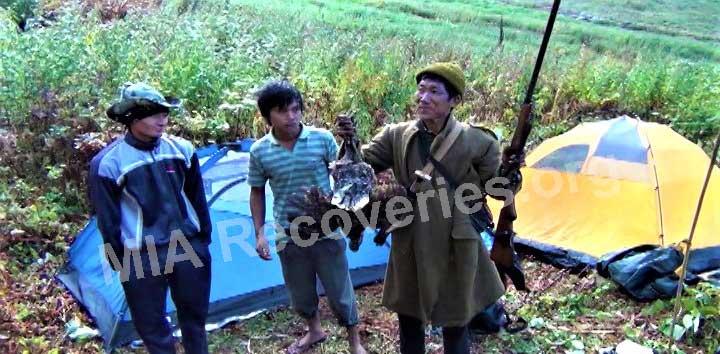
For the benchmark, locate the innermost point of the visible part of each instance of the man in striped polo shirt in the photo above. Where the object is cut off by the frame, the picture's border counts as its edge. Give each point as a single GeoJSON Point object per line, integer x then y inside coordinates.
{"type": "Point", "coordinates": [294, 157]}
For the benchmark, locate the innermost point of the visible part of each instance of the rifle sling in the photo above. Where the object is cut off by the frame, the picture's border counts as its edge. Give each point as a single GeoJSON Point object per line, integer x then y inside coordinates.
{"type": "Point", "coordinates": [438, 156]}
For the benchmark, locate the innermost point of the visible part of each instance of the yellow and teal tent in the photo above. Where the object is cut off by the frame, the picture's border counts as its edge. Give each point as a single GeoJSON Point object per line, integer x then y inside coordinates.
{"type": "Point", "coordinates": [611, 185]}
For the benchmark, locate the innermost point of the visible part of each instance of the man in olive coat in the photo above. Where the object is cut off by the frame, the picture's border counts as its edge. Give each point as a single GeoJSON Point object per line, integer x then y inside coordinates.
{"type": "Point", "coordinates": [438, 269]}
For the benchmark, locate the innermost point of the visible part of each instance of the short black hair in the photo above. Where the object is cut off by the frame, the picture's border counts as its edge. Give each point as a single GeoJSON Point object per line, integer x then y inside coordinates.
{"type": "Point", "coordinates": [452, 92]}
{"type": "Point", "coordinates": [279, 94]}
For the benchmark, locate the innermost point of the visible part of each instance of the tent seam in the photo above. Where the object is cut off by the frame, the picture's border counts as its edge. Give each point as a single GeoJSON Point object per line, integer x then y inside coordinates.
{"type": "Point", "coordinates": [657, 187]}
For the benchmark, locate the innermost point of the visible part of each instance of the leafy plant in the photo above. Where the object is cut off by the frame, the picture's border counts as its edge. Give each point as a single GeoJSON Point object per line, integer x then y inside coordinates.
{"type": "Point", "coordinates": [20, 10]}
{"type": "Point", "coordinates": [701, 318]}
{"type": "Point", "coordinates": [57, 81]}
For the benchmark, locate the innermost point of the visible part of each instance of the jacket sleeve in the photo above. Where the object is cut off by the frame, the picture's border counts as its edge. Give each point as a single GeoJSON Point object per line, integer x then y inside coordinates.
{"type": "Point", "coordinates": [195, 191]}
{"type": "Point", "coordinates": [487, 161]}
{"type": "Point", "coordinates": [379, 151]}
{"type": "Point", "coordinates": [105, 202]}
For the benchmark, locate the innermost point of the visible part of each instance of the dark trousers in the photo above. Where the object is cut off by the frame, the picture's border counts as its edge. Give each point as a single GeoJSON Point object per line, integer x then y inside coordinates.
{"type": "Point", "coordinates": [456, 340]}
{"type": "Point", "coordinates": [189, 286]}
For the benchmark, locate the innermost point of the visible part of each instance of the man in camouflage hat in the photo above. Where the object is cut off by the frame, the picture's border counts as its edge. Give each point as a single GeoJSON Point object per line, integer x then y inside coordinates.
{"type": "Point", "coordinates": [147, 194]}
{"type": "Point", "coordinates": [438, 270]}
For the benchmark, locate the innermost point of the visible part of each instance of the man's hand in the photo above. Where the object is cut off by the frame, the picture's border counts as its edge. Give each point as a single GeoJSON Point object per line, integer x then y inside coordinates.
{"type": "Point", "coordinates": [112, 254]}
{"type": "Point", "coordinates": [502, 251]}
{"type": "Point", "coordinates": [262, 248]}
{"type": "Point", "coordinates": [510, 169]}
{"type": "Point", "coordinates": [513, 160]}
{"type": "Point", "coordinates": [501, 254]}
{"type": "Point", "coordinates": [345, 126]}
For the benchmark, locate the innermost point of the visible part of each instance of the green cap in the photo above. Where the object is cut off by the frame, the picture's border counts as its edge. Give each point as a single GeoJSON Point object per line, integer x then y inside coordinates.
{"type": "Point", "coordinates": [138, 96]}
{"type": "Point", "coordinates": [448, 71]}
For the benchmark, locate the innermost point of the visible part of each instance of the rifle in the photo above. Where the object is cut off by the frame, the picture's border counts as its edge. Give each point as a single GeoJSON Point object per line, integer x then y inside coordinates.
{"type": "Point", "coordinates": [503, 252]}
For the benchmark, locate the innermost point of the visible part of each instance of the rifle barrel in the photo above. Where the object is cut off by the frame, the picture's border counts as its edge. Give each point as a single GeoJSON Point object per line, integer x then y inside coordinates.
{"type": "Point", "coordinates": [541, 53]}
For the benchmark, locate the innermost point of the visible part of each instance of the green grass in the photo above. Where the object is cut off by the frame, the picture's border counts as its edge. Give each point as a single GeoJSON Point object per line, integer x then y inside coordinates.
{"type": "Point", "coordinates": [348, 55]}
{"type": "Point", "coordinates": [475, 25]}
{"type": "Point", "coordinates": [673, 17]}
{"type": "Point", "coordinates": [344, 55]}
{"type": "Point", "coordinates": [56, 82]}
{"type": "Point", "coordinates": [566, 313]}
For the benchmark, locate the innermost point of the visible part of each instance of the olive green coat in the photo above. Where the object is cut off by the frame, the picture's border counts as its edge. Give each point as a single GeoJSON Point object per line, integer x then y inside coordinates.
{"type": "Point", "coordinates": [438, 269]}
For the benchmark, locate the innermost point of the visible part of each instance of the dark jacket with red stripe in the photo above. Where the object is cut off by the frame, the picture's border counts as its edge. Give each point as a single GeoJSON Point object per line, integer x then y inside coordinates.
{"type": "Point", "coordinates": [145, 192]}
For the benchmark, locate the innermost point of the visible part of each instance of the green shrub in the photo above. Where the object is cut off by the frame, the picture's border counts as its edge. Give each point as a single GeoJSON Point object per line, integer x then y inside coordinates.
{"type": "Point", "coordinates": [19, 10]}
{"type": "Point", "coordinates": [56, 81]}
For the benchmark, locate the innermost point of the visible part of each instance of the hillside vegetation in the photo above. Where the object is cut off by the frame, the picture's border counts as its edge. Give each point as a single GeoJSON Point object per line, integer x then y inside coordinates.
{"type": "Point", "coordinates": [61, 63]}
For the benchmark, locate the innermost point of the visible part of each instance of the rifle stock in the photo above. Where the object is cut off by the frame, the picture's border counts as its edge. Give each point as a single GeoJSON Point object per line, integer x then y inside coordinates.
{"type": "Point", "coordinates": [508, 214]}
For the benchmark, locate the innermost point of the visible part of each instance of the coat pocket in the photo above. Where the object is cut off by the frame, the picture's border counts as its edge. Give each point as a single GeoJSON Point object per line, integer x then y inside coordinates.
{"type": "Point", "coordinates": [462, 227]}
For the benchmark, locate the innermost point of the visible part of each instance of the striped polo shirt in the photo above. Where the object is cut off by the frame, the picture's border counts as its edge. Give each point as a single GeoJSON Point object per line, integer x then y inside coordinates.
{"type": "Point", "coordinates": [288, 171]}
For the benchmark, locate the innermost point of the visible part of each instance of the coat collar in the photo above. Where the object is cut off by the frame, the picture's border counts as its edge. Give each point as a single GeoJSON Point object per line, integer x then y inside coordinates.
{"type": "Point", "coordinates": [410, 132]}
{"type": "Point", "coordinates": [139, 144]}
{"type": "Point", "coordinates": [440, 137]}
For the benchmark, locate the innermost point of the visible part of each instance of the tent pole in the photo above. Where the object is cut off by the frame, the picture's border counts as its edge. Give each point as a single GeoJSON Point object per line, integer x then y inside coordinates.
{"type": "Point", "coordinates": [683, 271]}
{"type": "Point", "coordinates": [109, 348]}
{"type": "Point", "coordinates": [658, 199]}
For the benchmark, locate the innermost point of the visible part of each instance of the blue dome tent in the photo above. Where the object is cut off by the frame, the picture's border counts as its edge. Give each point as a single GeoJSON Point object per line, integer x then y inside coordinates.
{"type": "Point", "coordinates": [242, 283]}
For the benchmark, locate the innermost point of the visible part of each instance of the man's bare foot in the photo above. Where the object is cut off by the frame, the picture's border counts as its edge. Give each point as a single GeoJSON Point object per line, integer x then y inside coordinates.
{"type": "Point", "coordinates": [357, 349]}
{"type": "Point", "coordinates": [309, 340]}
{"type": "Point", "coordinates": [354, 340]}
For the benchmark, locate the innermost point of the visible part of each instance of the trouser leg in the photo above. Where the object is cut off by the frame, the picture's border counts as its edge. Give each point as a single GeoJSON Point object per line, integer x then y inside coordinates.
{"type": "Point", "coordinates": [146, 297]}
{"type": "Point", "coordinates": [190, 291]}
{"type": "Point", "coordinates": [412, 335]}
{"type": "Point", "coordinates": [456, 340]}
{"type": "Point", "coordinates": [300, 280]}
{"type": "Point", "coordinates": [332, 268]}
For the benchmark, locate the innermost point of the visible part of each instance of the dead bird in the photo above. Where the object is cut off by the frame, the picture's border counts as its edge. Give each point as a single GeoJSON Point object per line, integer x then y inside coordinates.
{"type": "Point", "coordinates": [353, 184]}
{"type": "Point", "coordinates": [356, 189]}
